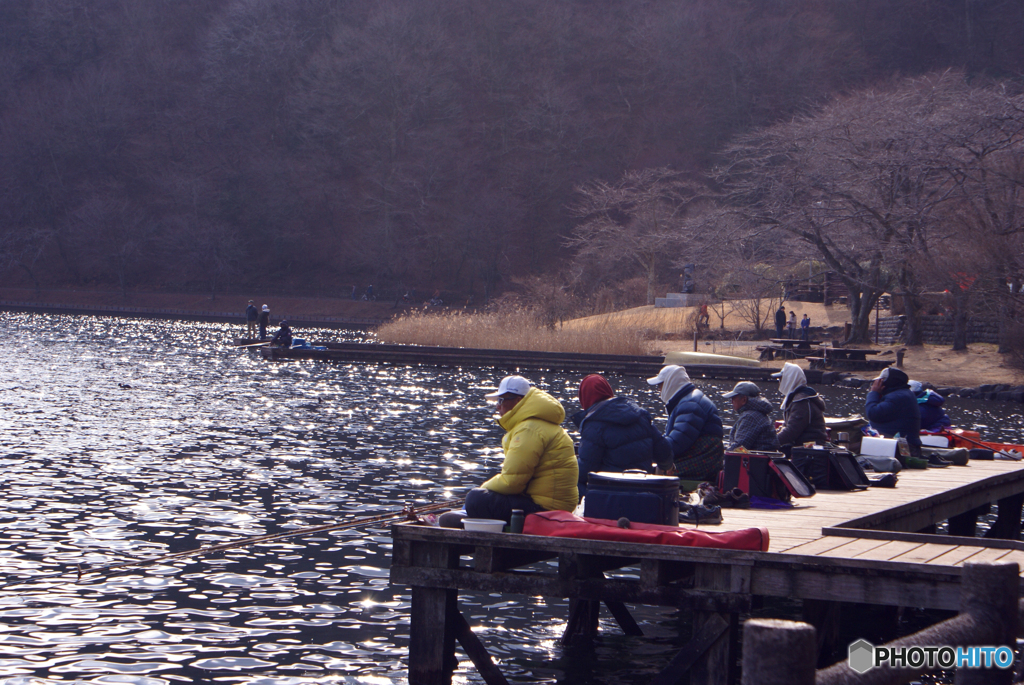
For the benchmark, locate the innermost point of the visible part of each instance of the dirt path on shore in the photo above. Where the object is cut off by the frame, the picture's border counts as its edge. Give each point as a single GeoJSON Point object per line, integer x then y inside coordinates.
{"type": "Point", "coordinates": [980, 364]}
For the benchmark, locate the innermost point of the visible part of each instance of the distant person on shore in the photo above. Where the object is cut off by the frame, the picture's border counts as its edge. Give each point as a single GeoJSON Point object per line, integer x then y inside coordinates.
{"type": "Point", "coordinates": [780, 320]}
{"type": "Point", "coordinates": [792, 325]}
{"type": "Point", "coordinates": [355, 293]}
{"type": "Point", "coordinates": [264, 321]}
{"type": "Point", "coordinates": [368, 295]}
{"type": "Point", "coordinates": [251, 315]}
{"type": "Point", "coordinates": [703, 319]}
{"type": "Point", "coordinates": [539, 472]}
{"type": "Point", "coordinates": [753, 428]}
{"type": "Point", "coordinates": [805, 328]}
{"type": "Point", "coordinates": [929, 402]}
{"type": "Point", "coordinates": [803, 410]}
{"type": "Point", "coordinates": [694, 429]}
{"type": "Point", "coordinates": [615, 434]}
{"type": "Point", "coordinates": [283, 337]}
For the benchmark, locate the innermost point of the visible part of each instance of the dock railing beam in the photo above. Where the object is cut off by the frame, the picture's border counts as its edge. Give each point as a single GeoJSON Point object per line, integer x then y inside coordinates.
{"type": "Point", "coordinates": [989, 605]}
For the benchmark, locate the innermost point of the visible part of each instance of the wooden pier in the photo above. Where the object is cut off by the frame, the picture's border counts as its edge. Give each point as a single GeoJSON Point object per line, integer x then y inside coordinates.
{"type": "Point", "coordinates": [414, 355]}
{"type": "Point", "coordinates": [863, 547]}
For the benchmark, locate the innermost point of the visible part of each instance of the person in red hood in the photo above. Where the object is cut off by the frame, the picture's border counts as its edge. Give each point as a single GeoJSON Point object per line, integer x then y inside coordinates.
{"type": "Point", "coordinates": [616, 435]}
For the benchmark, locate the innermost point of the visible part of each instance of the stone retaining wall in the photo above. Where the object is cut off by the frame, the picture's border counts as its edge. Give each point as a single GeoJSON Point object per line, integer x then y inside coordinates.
{"type": "Point", "coordinates": [937, 330]}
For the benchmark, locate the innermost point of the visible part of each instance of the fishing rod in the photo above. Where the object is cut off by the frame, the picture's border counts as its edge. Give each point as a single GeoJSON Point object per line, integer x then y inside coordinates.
{"type": "Point", "coordinates": [408, 514]}
{"type": "Point", "coordinates": [979, 443]}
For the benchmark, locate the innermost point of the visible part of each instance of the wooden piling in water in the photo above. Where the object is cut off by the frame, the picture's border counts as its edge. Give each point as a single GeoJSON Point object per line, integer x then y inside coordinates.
{"type": "Point", "coordinates": [778, 652]}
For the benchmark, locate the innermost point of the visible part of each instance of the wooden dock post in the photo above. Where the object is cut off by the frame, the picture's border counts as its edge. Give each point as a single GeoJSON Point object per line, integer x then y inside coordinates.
{"type": "Point", "coordinates": [1007, 525]}
{"type": "Point", "coordinates": [433, 621]}
{"type": "Point", "coordinates": [990, 594]}
{"type": "Point", "coordinates": [778, 652]}
{"type": "Point", "coordinates": [717, 664]}
{"type": "Point", "coordinates": [966, 524]}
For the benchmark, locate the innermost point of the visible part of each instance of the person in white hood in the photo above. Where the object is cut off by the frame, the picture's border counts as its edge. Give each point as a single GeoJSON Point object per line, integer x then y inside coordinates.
{"type": "Point", "coordinates": [694, 428]}
{"type": "Point", "coordinates": [803, 410]}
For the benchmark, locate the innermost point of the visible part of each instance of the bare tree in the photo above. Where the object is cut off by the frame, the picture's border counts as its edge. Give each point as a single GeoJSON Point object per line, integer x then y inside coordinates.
{"type": "Point", "coordinates": [637, 218]}
{"type": "Point", "coordinates": [858, 182]}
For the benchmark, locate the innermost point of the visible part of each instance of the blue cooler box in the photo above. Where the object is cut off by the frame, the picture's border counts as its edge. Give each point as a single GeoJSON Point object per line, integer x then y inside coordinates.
{"type": "Point", "coordinates": [640, 497]}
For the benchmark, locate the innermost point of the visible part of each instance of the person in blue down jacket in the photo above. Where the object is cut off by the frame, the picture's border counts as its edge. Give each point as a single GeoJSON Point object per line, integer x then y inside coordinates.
{"type": "Point", "coordinates": [929, 402]}
{"type": "Point", "coordinates": [615, 434]}
{"type": "Point", "coordinates": [694, 429]}
{"type": "Point", "coordinates": [892, 408]}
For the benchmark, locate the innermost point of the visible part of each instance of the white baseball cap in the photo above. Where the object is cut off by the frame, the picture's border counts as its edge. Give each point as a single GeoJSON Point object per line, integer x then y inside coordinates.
{"type": "Point", "coordinates": [663, 374]}
{"type": "Point", "coordinates": [516, 385]}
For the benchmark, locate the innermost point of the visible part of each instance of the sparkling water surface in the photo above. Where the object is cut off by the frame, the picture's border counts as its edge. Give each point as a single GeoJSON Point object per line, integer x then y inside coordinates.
{"type": "Point", "coordinates": [128, 438]}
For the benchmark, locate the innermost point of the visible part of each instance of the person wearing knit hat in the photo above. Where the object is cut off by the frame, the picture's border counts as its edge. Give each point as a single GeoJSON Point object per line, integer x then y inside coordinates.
{"type": "Point", "coordinates": [694, 428]}
{"type": "Point", "coordinates": [615, 434]}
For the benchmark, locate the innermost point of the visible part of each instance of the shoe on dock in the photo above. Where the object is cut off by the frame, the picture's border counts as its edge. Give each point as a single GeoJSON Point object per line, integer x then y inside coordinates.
{"type": "Point", "coordinates": [937, 462]}
{"type": "Point", "coordinates": [698, 514]}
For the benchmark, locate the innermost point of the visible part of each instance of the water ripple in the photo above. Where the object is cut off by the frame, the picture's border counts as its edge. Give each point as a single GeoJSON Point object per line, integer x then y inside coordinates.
{"type": "Point", "coordinates": [210, 443]}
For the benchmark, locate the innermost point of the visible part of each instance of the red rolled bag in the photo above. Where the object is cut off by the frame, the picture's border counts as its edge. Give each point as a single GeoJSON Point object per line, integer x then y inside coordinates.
{"type": "Point", "coordinates": [562, 524]}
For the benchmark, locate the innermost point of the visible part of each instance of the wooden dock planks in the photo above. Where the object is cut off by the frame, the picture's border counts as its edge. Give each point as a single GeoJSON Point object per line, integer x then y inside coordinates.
{"type": "Point", "coordinates": [816, 554]}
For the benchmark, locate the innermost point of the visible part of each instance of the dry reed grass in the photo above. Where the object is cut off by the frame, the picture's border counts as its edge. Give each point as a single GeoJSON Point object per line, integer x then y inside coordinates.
{"type": "Point", "coordinates": [511, 330]}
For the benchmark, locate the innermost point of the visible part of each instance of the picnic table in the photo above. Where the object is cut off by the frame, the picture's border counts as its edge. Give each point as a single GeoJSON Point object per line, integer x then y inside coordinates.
{"type": "Point", "coordinates": [787, 348]}
{"type": "Point", "coordinates": [848, 358]}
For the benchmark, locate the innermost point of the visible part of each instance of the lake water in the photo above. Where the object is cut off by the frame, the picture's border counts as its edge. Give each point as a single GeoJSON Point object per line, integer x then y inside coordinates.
{"type": "Point", "coordinates": [125, 438]}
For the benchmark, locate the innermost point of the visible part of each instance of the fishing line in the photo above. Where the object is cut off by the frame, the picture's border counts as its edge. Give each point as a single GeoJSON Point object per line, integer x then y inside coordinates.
{"type": "Point", "coordinates": [84, 575]}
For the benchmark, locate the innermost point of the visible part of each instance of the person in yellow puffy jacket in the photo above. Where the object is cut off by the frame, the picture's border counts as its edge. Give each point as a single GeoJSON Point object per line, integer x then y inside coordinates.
{"type": "Point", "coordinates": [540, 470]}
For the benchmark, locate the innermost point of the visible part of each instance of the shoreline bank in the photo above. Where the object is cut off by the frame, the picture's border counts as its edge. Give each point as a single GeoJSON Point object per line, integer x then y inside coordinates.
{"type": "Point", "coordinates": [303, 311]}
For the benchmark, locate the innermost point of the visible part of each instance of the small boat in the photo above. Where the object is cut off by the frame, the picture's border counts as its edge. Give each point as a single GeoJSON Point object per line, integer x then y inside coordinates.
{"type": "Point", "coordinates": [687, 358]}
{"type": "Point", "coordinates": [958, 437]}
{"type": "Point", "coordinates": [250, 342]}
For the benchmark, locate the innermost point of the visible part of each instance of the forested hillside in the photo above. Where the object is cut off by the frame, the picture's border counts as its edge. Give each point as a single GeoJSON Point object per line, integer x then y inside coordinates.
{"type": "Point", "coordinates": [216, 144]}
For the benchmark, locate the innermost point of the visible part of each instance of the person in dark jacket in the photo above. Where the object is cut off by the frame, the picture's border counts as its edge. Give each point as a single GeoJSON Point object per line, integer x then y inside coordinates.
{"type": "Point", "coordinates": [694, 429]}
{"type": "Point", "coordinates": [264, 321]}
{"type": "Point", "coordinates": [929, 402]}
{"type": "Point", "coordinates": [753, 429]}
{"type": "Point", "coordinates": [892, 410]}
{"type": "Point", "coordinates": [803, 410]}
{"type": "Point", "coordinates": [615, 434]}
{"type": "Point", "coordinates": [780, 321]}
{"type": "Point", "coordinates": [283, 337]}
{"type": "Point", "coordinates": [251, 315]}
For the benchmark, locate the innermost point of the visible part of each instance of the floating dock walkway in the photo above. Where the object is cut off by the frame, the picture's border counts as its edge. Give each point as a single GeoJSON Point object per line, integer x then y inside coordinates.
{"type": "Point", "coordinates": [510, 360]}
{"type": "Point", "coordinates": [863, 547]}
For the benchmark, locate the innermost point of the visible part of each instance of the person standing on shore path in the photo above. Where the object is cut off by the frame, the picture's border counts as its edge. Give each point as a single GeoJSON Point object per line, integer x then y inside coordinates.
{"type": "Point", "coordinates": [251, 315]}
{"type": "Point", "coordinates": [264, 321]}
{"type": "Point", "coordinates": [805, 328]}
{"type": "Point", "coordinates": [792, 325]}
{"type": "Point", "coordinates": [780, 320]}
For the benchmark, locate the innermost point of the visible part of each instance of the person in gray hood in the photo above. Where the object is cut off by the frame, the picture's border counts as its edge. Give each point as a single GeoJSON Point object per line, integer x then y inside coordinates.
{"type": "Point", "coordinates": [753, 429]}
{"type": "Point", "coordinates": [803, 410]}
